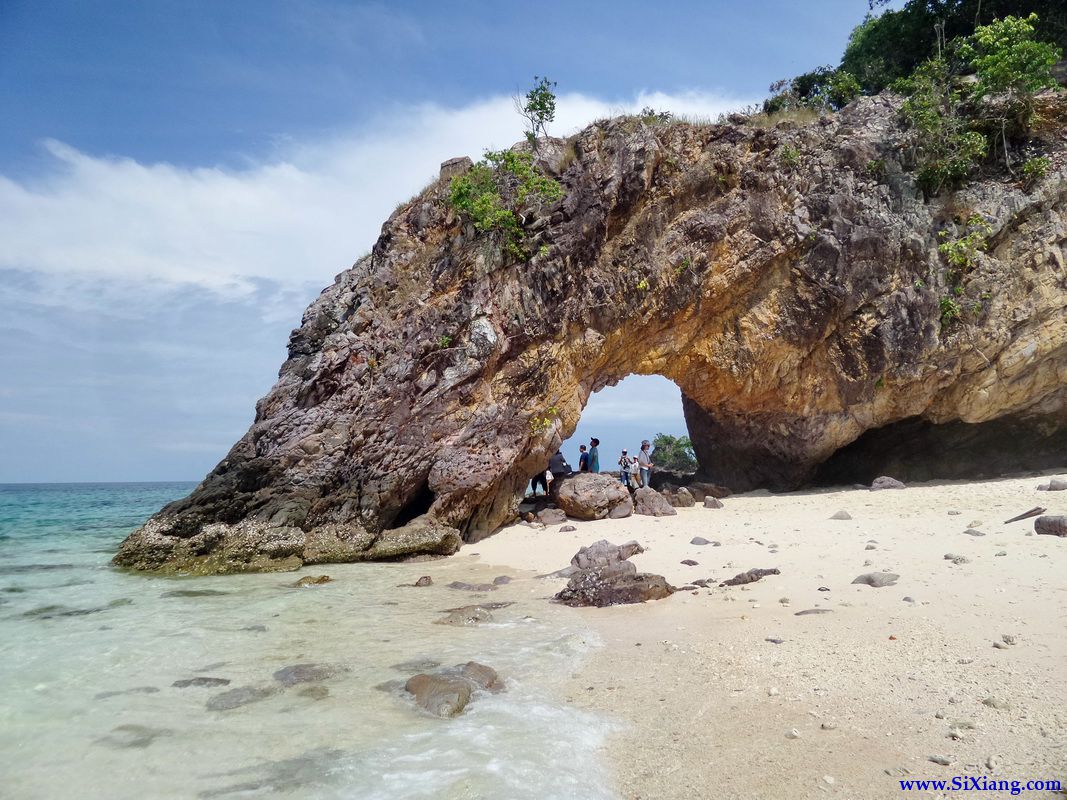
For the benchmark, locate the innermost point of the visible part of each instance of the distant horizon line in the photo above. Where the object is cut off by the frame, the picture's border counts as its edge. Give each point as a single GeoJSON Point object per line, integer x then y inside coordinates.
{"type": "Point", "coordinates": [93, 483]}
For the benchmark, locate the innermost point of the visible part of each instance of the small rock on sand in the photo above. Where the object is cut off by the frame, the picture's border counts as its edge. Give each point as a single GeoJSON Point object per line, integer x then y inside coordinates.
{"type": "Point", "coordinates": [953, 513]}
{"type": "Point", "coordinates": [690, 562]}
{"type": "Point", "coordinates": [870, 547]}
{"type": "Point", "coordinates": [942, 760]}
{"type": "Point", "coordinates": [997, 703]}
{"type": "Point", "coordinates": [973, 532]}
{"type": "Point", "coordinates": [712, 502]}
{"type": "Point", "coordinates": [501, 580]}
{"type": "Point", "coordinates": [699, 540]}
{"type": "Point", "coordinates": [809, 611]}
{"type": "Point", "coordinates": [877, 579]}
{"type": "Point", "coordinates": [751, 576]}
{"type": "Point", "coordinates": [567, 529]}
{"type": "Point", "coordinates": [793, 733]}
{"type": "Point", "coordinates": [885, 482]}
{"type": "Point", "coordinates": [1000, 645]}
{"type": "Point", "coordinates": [955, 559]}
{"type": "Point", "coordinates": [842, 514]}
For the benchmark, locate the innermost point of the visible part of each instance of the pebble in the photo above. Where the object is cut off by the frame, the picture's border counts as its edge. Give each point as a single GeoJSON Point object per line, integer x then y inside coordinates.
{"type": "Point", "coordinates": [828, 726]}
{"type": "Point", "coordinates": [909, 599]}
{"type": "Point", "coordinates": [942, 760]}
{"type": "Point", "coordinates": [953, 513]}
{"type": "Point", "coordinates": [783, 600]}
{"type": "Point", "coordinates": [772, 640]}
{"type": "Point", "coordinates": [1009, 638]}
{"type": "Point", "coordinates": [1001, 553]}
{"type": "Point", "coordinates": [997, 703]}
{"type": "Point", "coordinates": [973, 532]}
{"type": "Point", "coordinates": [870, 547]}
{"type": "Point", "coordinates": [772, 692]}
{"type": "Point", "coordinates": [868, 563]}
{"type": "Point", "coordinates": [828, 779]}
{"type": "Point", "coordinates": [991, 763]}
{"type": "Point", "coordinates": [793, 734]}
{"type": "Point", "coordinates": [939, 715]}
{"type": "Point", "coordinates": [842, 514]}
{"type": "Point", "coordinates": [1000, 645]}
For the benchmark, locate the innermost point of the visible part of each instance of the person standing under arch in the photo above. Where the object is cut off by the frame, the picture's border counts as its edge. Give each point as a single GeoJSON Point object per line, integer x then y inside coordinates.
{"type": "Point", "coordinates": [594, 455]}
{"type": "Point", "coordinates": [644, 461]}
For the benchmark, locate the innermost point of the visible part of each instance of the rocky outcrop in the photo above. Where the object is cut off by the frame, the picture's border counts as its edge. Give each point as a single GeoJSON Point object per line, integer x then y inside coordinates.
{"type": "Point", "coordinates": [792, 291]}
{"type": "Point", "coordinates": [600, 575]}
{"type": "Point", "coordinates": [588, 496]}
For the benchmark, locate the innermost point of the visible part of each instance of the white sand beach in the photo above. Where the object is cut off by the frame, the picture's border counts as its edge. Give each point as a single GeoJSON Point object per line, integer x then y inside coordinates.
{"type": "Point", "coordinates": [847, 702]}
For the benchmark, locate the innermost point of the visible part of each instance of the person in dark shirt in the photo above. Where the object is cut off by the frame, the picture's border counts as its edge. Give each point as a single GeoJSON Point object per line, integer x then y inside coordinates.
{"type": "Point", "coordinates": [583, 459]}
{"type": "Point", "coordinates": [560, 469]}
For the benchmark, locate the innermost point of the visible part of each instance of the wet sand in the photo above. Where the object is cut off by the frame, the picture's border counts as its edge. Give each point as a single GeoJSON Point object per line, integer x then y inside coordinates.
{"type": "Point", "coordinates": [849, 701]}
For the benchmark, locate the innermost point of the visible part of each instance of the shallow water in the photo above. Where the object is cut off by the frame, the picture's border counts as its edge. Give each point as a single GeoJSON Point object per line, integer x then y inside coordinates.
{"type": "Point", "coordinates": [89, 656]}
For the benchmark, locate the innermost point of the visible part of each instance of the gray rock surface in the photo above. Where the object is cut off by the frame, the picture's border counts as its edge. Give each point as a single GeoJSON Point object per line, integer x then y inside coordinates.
{"type": "Point", "coordinates": [586, 496]}
{"type": "Point", "coordinates": [712, 502]}
{"type": "Point", "coordinates": [1051, 525]}
{"type": "Point", "coordinates": [885, 482]}
{"type": "Point", "coordinates": [650, 503]}
{"type": "Point", "coordinates": [604, 553]}
{"type": "Point", "coordinates": [877, 579]}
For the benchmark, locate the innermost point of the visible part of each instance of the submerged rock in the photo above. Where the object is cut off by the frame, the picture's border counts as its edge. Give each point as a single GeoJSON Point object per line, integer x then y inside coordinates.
{"type": "Point", "coordinates": [447, 692]}
{"type": "Point", "coordinates": [135, 737]}
{"type": "Point", "coordinates": [312, 580]}
{"type": "Point", "coordinates": [241, 696]}
{"type": "Point", "coordinates": [466, 617]}
{"type": "Point", "coordinates": [304, 673]}
{"type": "Point", "coordinates": [200, 681]}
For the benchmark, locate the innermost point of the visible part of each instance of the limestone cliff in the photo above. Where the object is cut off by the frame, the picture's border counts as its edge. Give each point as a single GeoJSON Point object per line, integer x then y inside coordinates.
{"type": "Point", "coordinates": [788, 279]}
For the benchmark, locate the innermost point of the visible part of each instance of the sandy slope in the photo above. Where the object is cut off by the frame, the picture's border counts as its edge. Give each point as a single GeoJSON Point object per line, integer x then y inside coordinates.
{"type": "Point", "coordinates": [711, 703]}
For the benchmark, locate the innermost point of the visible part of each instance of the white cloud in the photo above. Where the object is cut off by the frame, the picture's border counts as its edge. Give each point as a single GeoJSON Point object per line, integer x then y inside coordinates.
{"type": "Point", "coordinates": [130, 229]}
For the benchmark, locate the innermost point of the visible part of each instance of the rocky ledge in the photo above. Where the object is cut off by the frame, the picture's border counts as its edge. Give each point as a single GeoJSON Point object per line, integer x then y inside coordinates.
{"type": "Point", "coordinates": [788, 279]}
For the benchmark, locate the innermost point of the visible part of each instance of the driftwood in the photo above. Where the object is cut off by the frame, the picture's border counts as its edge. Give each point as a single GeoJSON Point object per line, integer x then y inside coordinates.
{"type": "Point", "coordinates": [1033, 512]}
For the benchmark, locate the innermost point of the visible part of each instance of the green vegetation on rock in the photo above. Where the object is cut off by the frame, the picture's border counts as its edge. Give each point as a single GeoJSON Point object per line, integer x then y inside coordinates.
{"type": "Point", "coordinates": [673, 452]}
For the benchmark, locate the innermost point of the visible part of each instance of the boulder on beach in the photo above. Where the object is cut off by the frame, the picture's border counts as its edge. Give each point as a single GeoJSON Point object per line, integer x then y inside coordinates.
{"type": "Point", "coordinates": [1051, 526]}
{"type": "Point", "coordinates": [604, 553]}
{"type": "Point", "coordinates": [679, 497]}
{"type": "Point", "coordinates": [650, 503]}
{"type": "Point", "coordinates": [885, 482]}
{"type": "Point", "coordinates": [1054, 485]}
{"type": "Point", "coordinates": [712, 502]}
{"type": "Point", "coordinates": [589, 496]}
{"type": "Point", "coordinates": [551, 516]}
{"type": "Point", "coordinates": [614, 584]}
{"type": "Point", "coordinates": [701, 490]}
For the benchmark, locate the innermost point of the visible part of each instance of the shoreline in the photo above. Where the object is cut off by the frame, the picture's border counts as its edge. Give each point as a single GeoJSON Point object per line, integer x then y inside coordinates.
{"type": "Point", "coordinates": [849, 701]}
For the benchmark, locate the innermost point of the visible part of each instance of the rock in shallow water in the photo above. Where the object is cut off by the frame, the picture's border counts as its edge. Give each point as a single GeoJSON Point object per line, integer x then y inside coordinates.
{"type": "Point", "coordinates": [240, 696]}
{"type": "Point", "coordinates": [466, 617]}
{"type": "Point", "coordinates": [447, 693]}
{"type": "Point", "coordinates": [200, 681]}
{"type": "Point", "coordinates": [304, 673]}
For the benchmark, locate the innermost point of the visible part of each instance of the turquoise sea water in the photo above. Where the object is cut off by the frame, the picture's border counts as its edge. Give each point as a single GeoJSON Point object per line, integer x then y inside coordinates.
{"type": "Point", "coordinates": [89, 656]}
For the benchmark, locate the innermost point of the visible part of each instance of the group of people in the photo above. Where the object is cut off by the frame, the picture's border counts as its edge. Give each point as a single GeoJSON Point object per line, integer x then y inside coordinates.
{"type": "Point", "coordinates": [634, 471]}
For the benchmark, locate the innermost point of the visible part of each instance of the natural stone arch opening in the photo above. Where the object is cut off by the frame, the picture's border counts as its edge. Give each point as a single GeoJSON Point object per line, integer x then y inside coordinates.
{"type": "Point", "coordinates": [622, 415]}
{"type": "Point", "coordinates": [795, 302]}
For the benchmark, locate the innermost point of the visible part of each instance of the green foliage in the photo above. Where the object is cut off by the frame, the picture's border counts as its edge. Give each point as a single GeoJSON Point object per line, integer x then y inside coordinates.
{"type": "Point", "coordinates": [942, 146]}
{"type": "Point", "coordinates": [673, 452]}
{"type": "Point", "coordinates": [650, 116]}
{"type": "Point", "coordinates": [789, 155]}
{"type": "Point", "coordinates": [643, 284]}
{"type": "Point", "coordinates": [1035, 169]}
{"type": "Point", "coordinates": [962, 252]}
{"type": "Point", "coordinates": [891, 45]}
{"type": "Point", "coordinates": [950, 310]}
{"type": "Point", "coordinates": [491, 192]}
{"type": "Point", "coordinates": [539, 423]}
{"type": "Point", "coordinates": [539, 108]}
{"type": "Point", "coordinates": [822, 89]}
{"type": "Point", "coordinates": [444, 341]}
{"type": "Point", "coordinates": [875, 168]}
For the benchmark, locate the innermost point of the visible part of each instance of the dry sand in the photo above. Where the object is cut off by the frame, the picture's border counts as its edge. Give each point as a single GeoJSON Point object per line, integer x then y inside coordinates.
{"type": "Point", "coordinates": [851, 700]}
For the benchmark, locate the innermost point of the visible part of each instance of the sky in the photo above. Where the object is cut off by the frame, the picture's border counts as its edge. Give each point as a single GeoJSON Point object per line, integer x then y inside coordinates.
{"type": "Point", "coordinates": [180, 178]}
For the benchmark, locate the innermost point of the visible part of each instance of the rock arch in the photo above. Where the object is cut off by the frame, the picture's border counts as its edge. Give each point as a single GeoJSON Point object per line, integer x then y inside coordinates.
{"type": "Point", "coordinates": [795, 302]}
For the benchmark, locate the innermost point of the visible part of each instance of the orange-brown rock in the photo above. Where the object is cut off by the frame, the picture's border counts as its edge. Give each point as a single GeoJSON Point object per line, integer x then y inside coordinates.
{"type": "Point", "coordinates": [793, 293]}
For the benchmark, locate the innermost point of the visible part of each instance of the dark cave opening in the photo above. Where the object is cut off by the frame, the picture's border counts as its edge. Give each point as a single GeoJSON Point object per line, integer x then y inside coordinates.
{"type": "Point", "coordinates": [417, 505]}
{"type": "Point", "coordinates": [916, 449]}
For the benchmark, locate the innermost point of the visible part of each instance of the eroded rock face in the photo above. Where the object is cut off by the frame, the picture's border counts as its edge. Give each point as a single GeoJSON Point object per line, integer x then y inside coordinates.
{"type": "Point", "coordinates": [795, 302]}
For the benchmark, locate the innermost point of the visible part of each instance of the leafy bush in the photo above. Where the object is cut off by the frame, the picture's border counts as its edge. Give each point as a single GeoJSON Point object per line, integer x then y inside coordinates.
{"type": "Point", "coordinates": [1035, 169]}
{"type": "Point", "coordinates": [940, 142]}
{"type": "Point", "coordinates": [962, 252]}
{"type": "Point", "coordinates": [491, 191]}
{"type": "Point", "coordinates": [673, 452]}
{"type": "Point", "coordinates": [822, 89]}
{"type": "Point", "coordinates": [950, 310]}
{"type": "Point", "coordinates": [650, 116]}
{"type": "Point", "coordinates": [789, 155]}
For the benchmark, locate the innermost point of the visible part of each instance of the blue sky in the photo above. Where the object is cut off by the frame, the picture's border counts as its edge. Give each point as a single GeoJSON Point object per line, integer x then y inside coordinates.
{"type": "Point", "coordinates": [179, 179]}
